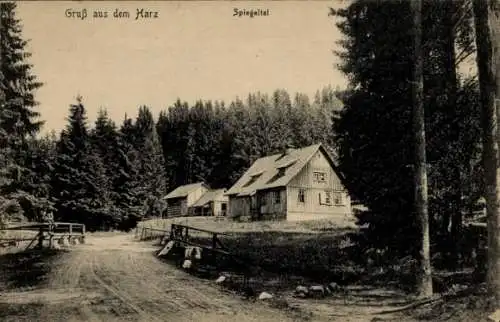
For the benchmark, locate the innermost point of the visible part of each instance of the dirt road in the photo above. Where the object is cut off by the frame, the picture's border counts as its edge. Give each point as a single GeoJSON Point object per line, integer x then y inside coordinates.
{"type": "Point", "coordinates": [114, 278]}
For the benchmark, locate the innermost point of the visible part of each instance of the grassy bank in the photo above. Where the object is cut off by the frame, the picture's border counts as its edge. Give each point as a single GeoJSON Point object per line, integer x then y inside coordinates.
{"type": "Point", "coordinates": [229, 226]}
{"type": "Point", "coordinates": [309, 252]}
{"type": "Point", "coordinates": [317, 251]}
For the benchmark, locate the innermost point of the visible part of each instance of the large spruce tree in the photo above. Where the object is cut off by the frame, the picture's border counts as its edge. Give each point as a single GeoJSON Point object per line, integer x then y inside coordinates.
{"type": "Point", "coordinates": [81, 187]}
{"type": "Point", "coordinates": [151, 162]}
{"type": "Point", "coordinates": [19, 117]}
{"type": "Point", "coordinates": [374, 131]}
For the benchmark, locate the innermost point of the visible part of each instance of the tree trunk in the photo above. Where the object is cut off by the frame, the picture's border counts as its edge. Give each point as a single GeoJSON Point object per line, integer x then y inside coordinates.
{"type": "Point", "coordinates": [424, 283]}
{"type": "Point", "coordinates": [484, 21]}
{"type": "Point", "coordinates": [450, 21]}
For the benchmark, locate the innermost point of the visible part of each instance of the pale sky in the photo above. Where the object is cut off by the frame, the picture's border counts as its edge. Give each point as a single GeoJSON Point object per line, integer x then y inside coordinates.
{"type": "Point", "coordinates": [193, 50]}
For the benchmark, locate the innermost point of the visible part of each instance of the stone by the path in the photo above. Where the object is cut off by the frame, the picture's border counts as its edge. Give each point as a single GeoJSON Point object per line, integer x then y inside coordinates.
{"type": "Point", "coordinates": [317, 290]}
{"type": "Point", "coordinates": [265, 296]}
{"type": "Point", "coordinates": [221, 279]}
{"type": "Point", "coordinates": [187, 264]}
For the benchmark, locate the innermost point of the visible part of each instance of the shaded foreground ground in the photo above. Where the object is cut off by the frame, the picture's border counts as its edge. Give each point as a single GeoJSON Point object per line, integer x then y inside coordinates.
{"type": "Point", "coordinates": [116, 279]}
{"type": "Point", "coordinates": [113, 278]}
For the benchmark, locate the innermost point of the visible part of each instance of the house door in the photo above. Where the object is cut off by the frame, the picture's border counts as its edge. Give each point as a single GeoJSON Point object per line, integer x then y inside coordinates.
{"type": "Point", "coordinates": [223, 209]}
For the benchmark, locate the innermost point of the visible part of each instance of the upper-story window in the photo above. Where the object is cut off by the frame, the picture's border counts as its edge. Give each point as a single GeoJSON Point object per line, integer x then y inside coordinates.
{"type": "Point", "coordinates": [319, 176]}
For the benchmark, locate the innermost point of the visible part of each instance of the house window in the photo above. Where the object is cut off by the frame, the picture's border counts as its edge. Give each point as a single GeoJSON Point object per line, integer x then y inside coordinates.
{"type": "Point", "coordinates": [325, 198]}
{"type": "Point", "coordinates": [319, 176]}
{"type": "Point", "coordinates": [302, 195]}
{"type": "Point", "coordinates": [328, 198]}
{"type": "Point", "coordinates": [277, 197]}
{"type": "Point", "coordinates": [338, 199]}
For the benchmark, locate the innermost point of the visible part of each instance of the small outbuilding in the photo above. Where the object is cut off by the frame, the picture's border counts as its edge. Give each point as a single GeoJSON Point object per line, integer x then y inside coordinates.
{"type": "Point", "coordinates": [196, 199]}
{"type": "Point", "coordinates": [212, 203]}
{"type": "Point", "coordinates": [181, 200]}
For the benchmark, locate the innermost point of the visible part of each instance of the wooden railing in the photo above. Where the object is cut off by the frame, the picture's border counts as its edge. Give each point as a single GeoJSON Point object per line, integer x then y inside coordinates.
{"type": "Point", "coordinates": [148, 233]}
{"type": "Point", "coordinates": [180, 233]}
{"type": "Point", "coordinates": [48, 234]}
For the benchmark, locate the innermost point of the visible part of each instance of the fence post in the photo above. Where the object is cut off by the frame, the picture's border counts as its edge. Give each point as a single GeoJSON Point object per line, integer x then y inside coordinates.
{"type": "Point", "coordinates": [40, 238]}
{"type": "Point", "coordinates": [83, 234]}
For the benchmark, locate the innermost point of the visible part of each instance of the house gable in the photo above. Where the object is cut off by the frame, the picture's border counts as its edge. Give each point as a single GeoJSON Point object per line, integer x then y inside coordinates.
{"type": "Point", "coordinates": [317, 191]}
{"type": "Point", "coordinates": [318, 173]}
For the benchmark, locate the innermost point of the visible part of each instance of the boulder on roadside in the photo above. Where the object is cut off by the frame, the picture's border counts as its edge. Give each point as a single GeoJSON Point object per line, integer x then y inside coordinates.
{"type": "Point", "coordinates": [187, 264]}
{"type": "Point", "coordinates": [265, 296]}
{"type": "Point", "coordinates": [65, 241]}
{"type": "Point", "coordinates": [221, 279]}
{"type": "Point", "coordinates": [317, 290]}
{"type": "Point", "coordinates": [301, 291]}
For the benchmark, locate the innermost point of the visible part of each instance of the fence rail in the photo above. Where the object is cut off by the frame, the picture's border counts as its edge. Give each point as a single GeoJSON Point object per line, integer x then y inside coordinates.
{"type": "Point", "coordinates": [148, 233]}
{"type": "Point", "coordinates": [47, 234]}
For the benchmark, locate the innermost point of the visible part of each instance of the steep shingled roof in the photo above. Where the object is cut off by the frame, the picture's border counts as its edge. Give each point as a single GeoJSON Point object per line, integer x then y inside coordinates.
{"type": "Point", "coordinates": [183, 191]}
{"type": "Point", "coordinates": [265, 172]}
{"type": "Point", "coordinates": [212, 195]}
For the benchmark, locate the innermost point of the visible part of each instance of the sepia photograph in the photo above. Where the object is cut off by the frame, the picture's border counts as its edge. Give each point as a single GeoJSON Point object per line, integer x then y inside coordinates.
{"type": "Point", "coordinates": [216, 160]}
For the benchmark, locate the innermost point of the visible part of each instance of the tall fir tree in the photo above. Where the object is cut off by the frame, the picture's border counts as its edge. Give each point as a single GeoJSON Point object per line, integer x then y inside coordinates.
{"type": "Point", "coordinates": [128, 184]}
{"type": "Point", "coordinates": [151, 164]}
{"type": "Point", "coordinates": [19, 118]}
{"type": "Point", "coordinates": [104, 140]}
{"type": "Point", "coordinates": [81, 187]}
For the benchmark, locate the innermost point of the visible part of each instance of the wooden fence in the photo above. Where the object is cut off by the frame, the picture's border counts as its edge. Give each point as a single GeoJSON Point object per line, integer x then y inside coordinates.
{"type": "Point", "coordinates": [148, 233]}
{"type": "Point", "coordinates": [44, 234]}
{"type": "Point", "coordinates": [216, 256]}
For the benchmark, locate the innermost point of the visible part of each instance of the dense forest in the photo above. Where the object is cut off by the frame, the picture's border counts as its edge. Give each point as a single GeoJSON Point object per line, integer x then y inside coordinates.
{"type": "Point", "coordinates": [111, 175]}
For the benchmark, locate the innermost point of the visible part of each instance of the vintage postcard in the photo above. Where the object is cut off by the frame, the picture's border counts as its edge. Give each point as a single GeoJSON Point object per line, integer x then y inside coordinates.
{"type": "Point", "coordinates": [329, 160]}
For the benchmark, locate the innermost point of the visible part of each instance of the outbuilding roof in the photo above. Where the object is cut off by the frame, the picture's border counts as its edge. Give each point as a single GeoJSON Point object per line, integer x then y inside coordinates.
{"type": "Point", "coordinates": [212, 195]}
{"type": "Point", "coordinates": [183, 191]}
